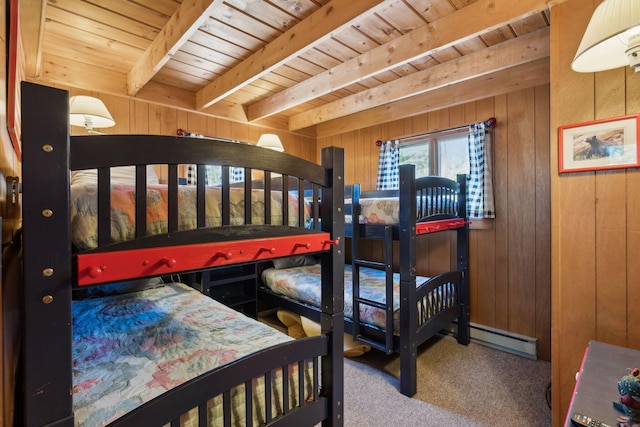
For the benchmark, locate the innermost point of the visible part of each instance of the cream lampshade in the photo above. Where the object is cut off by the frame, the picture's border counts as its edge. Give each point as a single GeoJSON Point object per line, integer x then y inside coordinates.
{"type": "Point", "coordinates": [271, 141]}
{"type": "Point", "coordinates": [612, 38]}
{"type": "Point", "coordinates": [89, 112]}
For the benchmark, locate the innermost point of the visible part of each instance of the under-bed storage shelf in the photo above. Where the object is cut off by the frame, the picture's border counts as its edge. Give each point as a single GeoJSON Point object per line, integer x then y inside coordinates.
{"type": "Point", "coordinates": [234, 286]}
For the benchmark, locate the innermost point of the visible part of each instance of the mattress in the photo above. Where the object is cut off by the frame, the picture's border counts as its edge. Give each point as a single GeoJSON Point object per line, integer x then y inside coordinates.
{"type": "Point", "coordinates": [386, 210]}
{"type": "Point", "coordinates": [130, 348]}
{"type": "Point", "coordinates": [302, 283]}
{"type": "Point", "coordinates": [84, 210]}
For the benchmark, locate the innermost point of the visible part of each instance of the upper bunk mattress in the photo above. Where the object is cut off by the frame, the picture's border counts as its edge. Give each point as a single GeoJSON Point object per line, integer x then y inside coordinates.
{"type": "Point", "coordinates": [132, 347]}
{"type": "Point", "coordinates": [84, 210]}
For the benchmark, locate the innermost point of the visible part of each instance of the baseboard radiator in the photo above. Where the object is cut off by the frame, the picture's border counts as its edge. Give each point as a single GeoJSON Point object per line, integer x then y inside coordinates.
{"type": "Point", "coordinates": [502, 340]}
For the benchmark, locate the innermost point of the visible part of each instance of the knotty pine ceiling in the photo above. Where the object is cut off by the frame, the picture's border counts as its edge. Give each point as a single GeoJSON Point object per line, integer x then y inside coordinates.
{"type": "Point", "coordinates": [288, 64]}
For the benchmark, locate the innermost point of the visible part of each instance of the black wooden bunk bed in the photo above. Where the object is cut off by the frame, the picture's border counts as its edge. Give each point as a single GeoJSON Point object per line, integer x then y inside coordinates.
{"type": "Point", "coordinates": [54, 371]}
{"type": "Point", "coordinates": [422, 307]}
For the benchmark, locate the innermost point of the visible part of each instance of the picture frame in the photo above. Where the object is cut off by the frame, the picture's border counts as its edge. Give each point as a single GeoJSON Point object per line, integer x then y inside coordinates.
{"type": "Point", "coordinates": [599, 145]}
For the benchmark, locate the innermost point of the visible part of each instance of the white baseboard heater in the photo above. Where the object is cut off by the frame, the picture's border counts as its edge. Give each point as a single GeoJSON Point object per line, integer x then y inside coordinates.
{"type": "Point", "coordinates": [502, 340]}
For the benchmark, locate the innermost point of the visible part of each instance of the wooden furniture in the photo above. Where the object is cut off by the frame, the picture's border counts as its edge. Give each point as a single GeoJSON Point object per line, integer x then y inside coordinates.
{"type": "Point", "coordinates": [234, 286]}
{"type": "Point", "coordinates": [52, 268]}
{"type": "Point", "coordinates": [603, 365]}
{"type": "Point", "coordinates": [421, 310]}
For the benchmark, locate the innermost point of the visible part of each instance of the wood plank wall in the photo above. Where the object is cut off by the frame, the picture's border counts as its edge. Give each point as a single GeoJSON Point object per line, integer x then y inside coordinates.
{"type": "Point", "coordinates": [509, 263]}
{"type": "Point", "coordinates": [140, 117]}
{"type": "Point", "coordinates": [595, 215]}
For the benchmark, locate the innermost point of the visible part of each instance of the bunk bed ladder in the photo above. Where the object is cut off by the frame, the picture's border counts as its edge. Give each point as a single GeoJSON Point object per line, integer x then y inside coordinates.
{"type": "Point", "coordinates": [387, 267]}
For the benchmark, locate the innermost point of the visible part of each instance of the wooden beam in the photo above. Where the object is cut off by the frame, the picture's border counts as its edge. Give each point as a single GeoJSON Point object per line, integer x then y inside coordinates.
{"type": "Point", "coordinates": [511, 53]}
{"type": "Point", "coordinates": [32, 15]}
{"type": "Point", "coordinates": [470, 21]}
{"type": "Point", "coordinates": [183, 23]}
{"type": "Point", "coordinates": [505, 81]}
{"type": "Point", "coordinates": [310, 32]}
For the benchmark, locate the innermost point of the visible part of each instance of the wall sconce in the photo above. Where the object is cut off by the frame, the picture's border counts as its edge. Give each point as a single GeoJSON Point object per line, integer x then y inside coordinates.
{"type": "Point", "coordinates": [270, 141]}
{"type": "Point", "coordinates": [89, 112]}
{"type": "Point", "coordinates": [612, 38]}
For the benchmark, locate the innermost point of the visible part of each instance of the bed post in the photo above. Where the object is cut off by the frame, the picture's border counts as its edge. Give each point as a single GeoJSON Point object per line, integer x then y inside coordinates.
{"type": "Point", "coordinates": [462, 248]}
{"type": "Point", "coordinates": [332, 302]}
{"type": "Point", "coordinates": [408, 317]}
{"type": "Point", "coordinates": [46, 357]}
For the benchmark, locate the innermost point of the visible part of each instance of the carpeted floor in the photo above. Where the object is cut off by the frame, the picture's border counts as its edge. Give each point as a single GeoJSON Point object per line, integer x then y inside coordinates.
{"type": "Point", "coordinates": [457, 385]}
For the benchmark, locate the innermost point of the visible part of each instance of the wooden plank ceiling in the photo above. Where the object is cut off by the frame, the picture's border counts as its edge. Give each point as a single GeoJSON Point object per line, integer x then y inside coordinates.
{"type": "Point", "coordinates": [289, 64]}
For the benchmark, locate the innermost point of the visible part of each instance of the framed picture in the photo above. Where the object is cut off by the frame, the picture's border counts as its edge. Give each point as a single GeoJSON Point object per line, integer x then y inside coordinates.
{"type": "Point", "coordinates": [600, 144]}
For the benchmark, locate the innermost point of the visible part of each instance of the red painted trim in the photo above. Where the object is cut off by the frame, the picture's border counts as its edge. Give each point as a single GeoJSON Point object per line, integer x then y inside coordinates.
{"type": "Point", "coordinates": [113, 266]}
{"type": "Point", "coordinates": [567, 420]}
{"type": "Point", "coordinates": [440, 225]}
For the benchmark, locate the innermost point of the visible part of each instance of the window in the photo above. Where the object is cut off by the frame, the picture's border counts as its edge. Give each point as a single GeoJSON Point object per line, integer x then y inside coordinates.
{"type": "Point", "coordinates": [445, 154]}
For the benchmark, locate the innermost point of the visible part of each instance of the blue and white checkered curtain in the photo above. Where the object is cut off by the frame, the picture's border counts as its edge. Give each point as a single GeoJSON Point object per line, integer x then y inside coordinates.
{"type": "Point", "coordinates": [388, 166]}
{"type": "Point", "coordinates": [237, 175]}
{"type": "Point", "coordinates": [479, 181]}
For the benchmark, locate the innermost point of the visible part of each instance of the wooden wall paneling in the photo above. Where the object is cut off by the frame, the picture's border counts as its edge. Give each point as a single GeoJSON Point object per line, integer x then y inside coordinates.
{"type": "Point", "coordinates": [610, 257]}
{"type": "Point", "coordinates": [501, 222]}
{"type": "Point", "coordinates": [632, 176]}
{"type": "Point", "coordinates": [542, 222]}
{"type": "Point", "coordinates": [212, 126]}
{"type": "Point", "coordinates": [611, 280]}
{"type": "Point", "coordinates": [138, 117]}
{"type": "Point", "coordinates": [573, 230]}
{"type": "Point", "coordinates": [155, 119]}
{"type": "Point", "coordinates": [483, 243]}
{"type": "Point", "coordinates": [240, 132]}
{"type": "Point", "coordinates": [576, 248]}
{"type": "Point", "coordinates": [119, 109]}
{"type": "Point", "coordinates": [223, 128]}
{"type": "Point", "coordinates": [197, 123]}
{"type": "Point", "coordinates": [521, 222]}
{"type": "Point", "coordinates": [632, 255]}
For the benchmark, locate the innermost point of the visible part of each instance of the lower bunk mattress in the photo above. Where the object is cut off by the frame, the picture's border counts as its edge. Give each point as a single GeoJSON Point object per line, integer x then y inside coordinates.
{"type": "Point", "coordinates": [303, 283]}
{"type": "Point", "coordinates": [129, 348]}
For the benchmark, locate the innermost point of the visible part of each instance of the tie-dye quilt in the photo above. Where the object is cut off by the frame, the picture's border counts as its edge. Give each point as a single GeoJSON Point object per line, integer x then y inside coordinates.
{"type": "Point", "coordinates": [130, 348]}
{"type": "Point", "coordinates": [303, 284]}
{"type": "Point", "coordinates": [84, 210]}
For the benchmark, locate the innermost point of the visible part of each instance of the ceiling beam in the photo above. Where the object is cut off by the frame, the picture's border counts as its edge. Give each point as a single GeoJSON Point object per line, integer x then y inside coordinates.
{"type": "Point", "coordinates": [310, 32]}
{"type": "Point", "coordinates": [521, 77]}
{"type": "Point", "coordinates": [511, 53]}
{"type": "Point", "coordinates": [470, 21]}
{"type": "Point", "coordinates": [32, 14]}
{"type": "Point", "coordinates": [181, 26]}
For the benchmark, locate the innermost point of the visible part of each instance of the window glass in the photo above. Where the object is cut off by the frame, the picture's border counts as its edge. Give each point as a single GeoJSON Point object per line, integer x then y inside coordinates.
{"type": "Point", "coordinates": [416, 154]}
{"type": "Point", "coordinates": [453, 156]}
{"type": "Point", "coordinates": [450, 155]}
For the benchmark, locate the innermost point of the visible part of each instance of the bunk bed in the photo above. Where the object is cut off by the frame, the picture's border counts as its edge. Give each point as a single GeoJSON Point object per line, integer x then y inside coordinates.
{"type": "Point", "coordinates": [393, 311]}
{"type": "Point", "coordinates": [74, 288]}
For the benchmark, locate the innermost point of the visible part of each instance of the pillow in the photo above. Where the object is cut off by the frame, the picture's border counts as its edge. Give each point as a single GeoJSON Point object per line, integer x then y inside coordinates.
{"type": "Point", "coordinates": [119, 175]}
{"type": "Point", "coordinates": [118, 288]}
{"type": "Point", "coordinates": [294, 261]}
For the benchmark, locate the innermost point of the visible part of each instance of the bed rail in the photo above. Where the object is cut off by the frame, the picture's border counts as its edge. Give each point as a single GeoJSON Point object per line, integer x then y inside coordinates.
{"type": "Point", "coordinates": [50, 269]}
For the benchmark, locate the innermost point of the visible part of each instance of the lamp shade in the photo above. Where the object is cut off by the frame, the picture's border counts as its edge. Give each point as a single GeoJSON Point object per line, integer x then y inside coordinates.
{"type": "Point", "coordinates": [89, 112]}
{"type": "Point", "coordinates": [271, 141]}
{"type": "Point", "coordinates": [612, 38]}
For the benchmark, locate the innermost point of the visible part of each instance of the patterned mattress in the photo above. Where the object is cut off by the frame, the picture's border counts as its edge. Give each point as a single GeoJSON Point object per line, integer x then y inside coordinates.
{"type": "Point", "coordinates": [303, 284]}
{"type": "Point", "coordinates": [84, 210]}
{"type": "Point", "coordinates": [386, 210]}
{"type": "Point", "coordinates": [129, 348]}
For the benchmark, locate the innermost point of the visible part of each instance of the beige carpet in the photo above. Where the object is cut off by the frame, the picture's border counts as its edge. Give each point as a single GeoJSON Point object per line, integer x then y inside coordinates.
{"type": "Point", "coordinates": [458, 385]}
